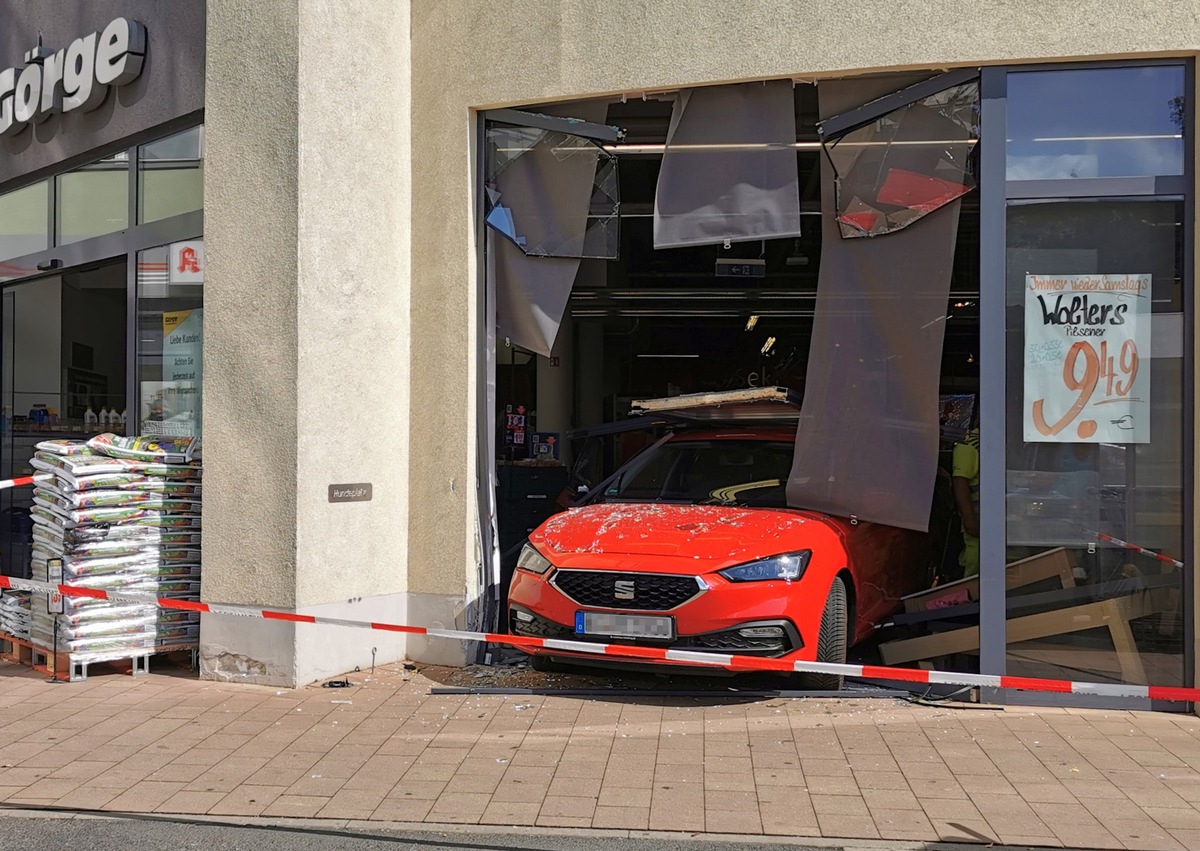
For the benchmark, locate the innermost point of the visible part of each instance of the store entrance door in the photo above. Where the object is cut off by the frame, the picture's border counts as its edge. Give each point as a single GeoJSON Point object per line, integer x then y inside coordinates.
{"type": "Point", "coordinates": [63, 365]}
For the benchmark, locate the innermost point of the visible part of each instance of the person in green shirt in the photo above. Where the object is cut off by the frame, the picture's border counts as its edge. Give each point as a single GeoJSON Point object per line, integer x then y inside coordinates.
{"type": "Point", "coordinates": [966, 497]}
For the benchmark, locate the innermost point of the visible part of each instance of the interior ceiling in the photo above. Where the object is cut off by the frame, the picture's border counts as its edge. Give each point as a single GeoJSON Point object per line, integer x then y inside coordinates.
{"type": "Point", "coordinates": [675, 284]}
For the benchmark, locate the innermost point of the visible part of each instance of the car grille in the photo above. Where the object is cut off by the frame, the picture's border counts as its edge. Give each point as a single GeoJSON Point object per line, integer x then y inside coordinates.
{"type": "Point", "coordinates": [640, 591]}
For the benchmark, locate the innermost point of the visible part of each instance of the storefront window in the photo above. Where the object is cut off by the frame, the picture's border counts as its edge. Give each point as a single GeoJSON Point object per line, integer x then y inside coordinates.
{"type": "Point", "coordinates": [171, 176]}
{"type": "Point", "coordinates": [93, 200]}
{"type": "Point", "coordinates": [1096, 122]}
{"type": "Point", "coordinates": [24, 224]}
{"type": "Point", "coordinates": [62, 376]}
{"type": "Point", "coordinates": [170, 291]}
{"type": "Point", "coordinates": [1095, 456]}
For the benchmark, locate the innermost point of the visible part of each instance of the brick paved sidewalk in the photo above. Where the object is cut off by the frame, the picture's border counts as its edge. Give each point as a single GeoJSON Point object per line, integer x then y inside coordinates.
{"type": "Point", "coordinates": [386, 750]}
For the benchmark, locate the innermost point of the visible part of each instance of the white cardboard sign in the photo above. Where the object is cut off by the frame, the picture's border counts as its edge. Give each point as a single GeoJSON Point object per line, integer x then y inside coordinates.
{"type": "Point", "coordinates": [1087, 359]}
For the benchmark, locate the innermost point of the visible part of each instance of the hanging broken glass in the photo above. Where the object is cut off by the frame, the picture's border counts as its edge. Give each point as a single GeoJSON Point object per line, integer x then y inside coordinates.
{"type": "Point", "coordinates": [729, 170]}
{"type": "Point", "coordinates": [895, 168]}
{"type": "Point", "coordinates": [552, 194]}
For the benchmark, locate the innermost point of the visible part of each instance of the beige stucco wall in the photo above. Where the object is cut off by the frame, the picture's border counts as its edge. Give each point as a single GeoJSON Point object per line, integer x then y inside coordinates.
{"type": "Point", "coordinates": [307, 343]}
{"type": "Point", "coordinates": [250, 344]}
{"type": "Point", "coordinates": [469, 56]}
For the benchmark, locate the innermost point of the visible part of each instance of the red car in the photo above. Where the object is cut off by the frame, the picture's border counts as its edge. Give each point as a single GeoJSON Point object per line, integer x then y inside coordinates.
{"type": "Point", "coordinates": [692, 546]}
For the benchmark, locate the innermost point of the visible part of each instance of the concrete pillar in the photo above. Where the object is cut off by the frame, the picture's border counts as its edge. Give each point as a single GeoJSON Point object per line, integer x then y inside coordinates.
{"type": "Point", "coordinates": [306, 331]}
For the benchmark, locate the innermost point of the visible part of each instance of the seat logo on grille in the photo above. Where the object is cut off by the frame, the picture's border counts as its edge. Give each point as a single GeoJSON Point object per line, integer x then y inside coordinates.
{"type": "Point", "coordinates": [623, 589]}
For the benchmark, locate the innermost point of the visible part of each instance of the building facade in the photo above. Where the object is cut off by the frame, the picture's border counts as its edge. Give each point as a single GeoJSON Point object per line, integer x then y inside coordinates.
{"type": "Point", "coordinates": [342, 155]}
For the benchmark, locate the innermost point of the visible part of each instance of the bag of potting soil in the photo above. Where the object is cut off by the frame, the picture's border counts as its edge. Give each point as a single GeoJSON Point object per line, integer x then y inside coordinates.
{"type": "Point", "coordinates": [73, 468]}
{"type": "Point", "coordinates": [144, 563]}
{"type": "Point", "coordinates": [169, 634]}
{"type": "Point", "coordinates": [77, 465]}
{"type": "Point", "coordinates": [132, 565]}
{"type": "Point", "coordinates": [131, 642]}
{"type": "Point", "coordinates": [112, 514]}
{"type": "Point", "coordinates": [133, 623]}
{"type": "Point", "coordinates": [101, 499]}
{"type": "Point", "coordinates": [175, 617]}
{"type": "Point", "coordinates": [162, 449]}
{"type": "Point", "coordinates": [154, 540]}
{"type": "Point", "coordinates": [119, 547]}
{"type": "Point", "coordinates": [166, 520]}
{"type": "Point", "coordinates": [100, 481]}
{"type": "Point", "coordinates": [56, 513]}
{"type": "Point", "coordinates": [133, 482]}
{"type": "Point", "coordinates": [64, 447]}
{"type": "Point", "coordinates": [98, 611]}
{"type": "Point", "coordinates": [109, 498]}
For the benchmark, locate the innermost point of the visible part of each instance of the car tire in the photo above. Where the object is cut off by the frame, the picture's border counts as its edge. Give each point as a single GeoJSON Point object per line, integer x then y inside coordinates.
{"type": "Point", "coordinates": [545, 665]}
{"type": "Point", "coordinates": [832, 640]}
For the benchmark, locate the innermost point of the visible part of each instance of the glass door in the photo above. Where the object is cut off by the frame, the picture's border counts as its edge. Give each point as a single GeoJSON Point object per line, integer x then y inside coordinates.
{"type": "Point", "coordinates": [63, 367]}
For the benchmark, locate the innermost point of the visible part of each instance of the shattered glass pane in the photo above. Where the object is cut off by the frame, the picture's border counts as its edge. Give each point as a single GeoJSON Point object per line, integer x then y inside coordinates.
{"type": "Point", "coordinates": [552, 194]}
{"type": "Point", "coordinates": [907, 163]}
{"type": "Point", "coordinates": [729, 170]}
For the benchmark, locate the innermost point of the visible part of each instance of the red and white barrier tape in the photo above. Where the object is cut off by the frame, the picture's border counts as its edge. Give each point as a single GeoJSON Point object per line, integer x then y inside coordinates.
{"type": "Point", "coordinates": [22, 481]}
{"type": "Point", "coordinates": [654, 654]}
{"type": "Point", "coordinates": [1135, 548]}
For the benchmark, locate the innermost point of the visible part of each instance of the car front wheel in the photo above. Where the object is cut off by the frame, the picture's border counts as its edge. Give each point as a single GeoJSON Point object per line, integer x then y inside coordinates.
{"type": "Point", "coordinates": [545, 665]}
{"type": "Point", "coordinates": [832, 640]}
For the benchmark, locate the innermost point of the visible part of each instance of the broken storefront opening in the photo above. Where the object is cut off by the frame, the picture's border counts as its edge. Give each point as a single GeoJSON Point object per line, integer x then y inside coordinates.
{"type": "Point", "coordinates": [823, 239]}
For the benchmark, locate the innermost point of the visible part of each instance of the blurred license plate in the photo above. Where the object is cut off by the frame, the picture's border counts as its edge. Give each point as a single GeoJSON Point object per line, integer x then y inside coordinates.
{"type": "Point", "coordinates": [624, 626]}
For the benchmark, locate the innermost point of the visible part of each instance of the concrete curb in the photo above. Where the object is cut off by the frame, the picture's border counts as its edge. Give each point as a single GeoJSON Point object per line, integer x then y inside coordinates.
{"type": "Point", "coordinates": [365, 828]}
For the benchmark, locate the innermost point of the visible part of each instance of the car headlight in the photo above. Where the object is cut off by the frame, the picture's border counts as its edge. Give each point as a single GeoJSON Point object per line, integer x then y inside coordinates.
{"type": "Point", "coordinates": [788, 567]}
{"type": "Point", "coordinates": [533, 561]}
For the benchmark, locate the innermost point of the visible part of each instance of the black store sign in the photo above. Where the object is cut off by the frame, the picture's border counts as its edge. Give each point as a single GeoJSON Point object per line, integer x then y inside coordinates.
{"type": "Point", "coordinates": [79, 81]}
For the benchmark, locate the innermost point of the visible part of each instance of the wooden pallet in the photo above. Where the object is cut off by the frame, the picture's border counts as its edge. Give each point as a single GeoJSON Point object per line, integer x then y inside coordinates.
{"type": "Point", "coordinates": [24, 652]}
{"type": "Point", "coordinates": [61, 666]}
{"type": "Point", "coordinates": [18, 650]}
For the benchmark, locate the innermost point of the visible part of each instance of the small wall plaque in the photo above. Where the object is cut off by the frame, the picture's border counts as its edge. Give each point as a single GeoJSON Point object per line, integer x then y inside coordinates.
{"type": "Point", "coordinates": [359, 492]}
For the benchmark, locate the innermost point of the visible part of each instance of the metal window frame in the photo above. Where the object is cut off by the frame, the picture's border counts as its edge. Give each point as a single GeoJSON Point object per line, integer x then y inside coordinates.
{"type": "Point", "coordinates": [554, 124]}
{"type": "Point", "coordinates": [489, 592]}
{"type": "Point", "coordinates": [996, 193]}
{"type": "Point", "coordinates": [993, 394]}
{"type": "Point", "coordinates": [865, 114]}
{"type": "Point", "coordinates": [95, 250]}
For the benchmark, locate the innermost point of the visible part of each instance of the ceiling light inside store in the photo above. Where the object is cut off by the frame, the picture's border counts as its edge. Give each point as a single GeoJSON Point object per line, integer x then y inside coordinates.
{"type": "Point", "coordinates": [658, 148]}
{"type": "Point", "coordinates": [767, 346]}
{"type": "Point", "coordinates": [1105, 138]}
{"type": "Point", "coordinates": [751, 322]}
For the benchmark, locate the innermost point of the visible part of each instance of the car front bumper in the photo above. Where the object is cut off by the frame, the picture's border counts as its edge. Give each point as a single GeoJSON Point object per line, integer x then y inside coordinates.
{"type": "Point", "coordinates": [711, 622]}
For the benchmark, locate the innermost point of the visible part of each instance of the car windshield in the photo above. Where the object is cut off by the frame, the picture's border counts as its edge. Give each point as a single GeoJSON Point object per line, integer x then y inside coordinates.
{"type": "Point", "coordinates": [717, 472]}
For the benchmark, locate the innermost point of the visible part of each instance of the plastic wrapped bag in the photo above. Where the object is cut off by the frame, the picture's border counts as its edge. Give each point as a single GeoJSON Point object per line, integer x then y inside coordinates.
{"type": "Point", "coordinates": [168, 450]}
{"type": "Point", "coordinates": [74, 467]}
{"type": "Point", "coordinates": [142, 563]}
{"type": "Point", "coordinates": [123, 498]}
{"type": "Point", "coordinates": [64, 447]}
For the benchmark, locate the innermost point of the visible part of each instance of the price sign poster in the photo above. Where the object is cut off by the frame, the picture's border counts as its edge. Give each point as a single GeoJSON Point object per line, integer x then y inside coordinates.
{"type": "Point", "coordinates": [1087, 359]}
